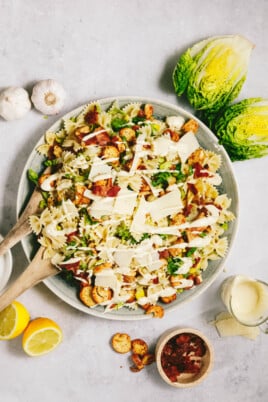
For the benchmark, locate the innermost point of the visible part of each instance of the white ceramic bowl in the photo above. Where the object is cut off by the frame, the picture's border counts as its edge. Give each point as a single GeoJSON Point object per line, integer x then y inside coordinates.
{"type": "Point", "coordinates": [208, 141]}
{"type": "Point", "coordinates": [5, 268]}
{"type": "Point", "coordinates": [184, 379]}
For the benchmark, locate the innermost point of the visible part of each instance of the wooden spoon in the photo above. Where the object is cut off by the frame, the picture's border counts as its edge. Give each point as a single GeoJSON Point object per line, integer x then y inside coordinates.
{"type": "Point", "coordinates": [22, 228]}
{"type": "Point", "coordinates": [38, 270]}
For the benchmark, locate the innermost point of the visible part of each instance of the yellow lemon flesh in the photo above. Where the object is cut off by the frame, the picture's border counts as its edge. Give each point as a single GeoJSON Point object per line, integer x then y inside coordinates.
{"type": "Point", "coordinates": [41, 336]}
{"type": "Point", "coordinates": [13, 320]}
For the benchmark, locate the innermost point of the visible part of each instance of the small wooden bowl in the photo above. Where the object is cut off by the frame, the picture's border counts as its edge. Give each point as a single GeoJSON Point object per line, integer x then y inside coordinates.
{"type": "Point", "coordinates": [185, 379]}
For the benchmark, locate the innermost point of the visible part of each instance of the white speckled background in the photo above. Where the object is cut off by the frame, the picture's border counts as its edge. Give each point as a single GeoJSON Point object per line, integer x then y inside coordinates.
{"type": "Point", "coordinates": [107, 48]}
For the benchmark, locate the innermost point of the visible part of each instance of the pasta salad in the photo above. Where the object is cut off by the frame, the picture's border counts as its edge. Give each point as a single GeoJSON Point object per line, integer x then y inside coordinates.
{"type": "Point", "coordinates": [131, 206]}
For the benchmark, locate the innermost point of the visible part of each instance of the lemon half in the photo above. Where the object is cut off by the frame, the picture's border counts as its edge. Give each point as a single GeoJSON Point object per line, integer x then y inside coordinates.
{"type": "Point", "coordinates": [41, 336]}
{"type": "Point", "coordinates": [13, 320]}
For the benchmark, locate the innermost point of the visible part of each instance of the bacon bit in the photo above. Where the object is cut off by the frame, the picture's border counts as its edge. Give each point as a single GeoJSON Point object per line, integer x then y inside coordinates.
{"type": "Point", "coordinates": [198, 171]}
{"type": "Point", "coordinates": [99, 190]}
{"type": "Point", "coordinates": [174, 136]}
{"type": "Point", "coordinates": [156, 281]}
{"type": "Point", "coordinates": [187, 210]}
{"type": "Point", "coordinates": [105, 189]}
{"type": "Point", "coordinates": [103, 138]}
{"type": "Point", "coordinates": [192, 188]}
{"type": "Point", "coordinates": [92, 116]}
{"type": "Point", "coordinates": [70, 236]}
{"type": "Point", "coordinates": [180, 353]}
{"type": "Point", "coordinates": [73, 266]}
{"type": "Point", "coordinates": [164, 254]}
{"type": "Point", "coordinates": [141, 113]}
{"type": "Point", "coordinates": [197, 279]}
{"type": "Point", "coordinates": [113, 191]}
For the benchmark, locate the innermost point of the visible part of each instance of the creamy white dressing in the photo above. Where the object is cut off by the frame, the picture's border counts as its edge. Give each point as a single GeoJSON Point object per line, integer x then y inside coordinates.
{"type": "Point", "coordinates": [246, 299]}
{"type": "Point", "coordinates": [92, 135]}
{"type": "Point", "coordinates": [47, 184]}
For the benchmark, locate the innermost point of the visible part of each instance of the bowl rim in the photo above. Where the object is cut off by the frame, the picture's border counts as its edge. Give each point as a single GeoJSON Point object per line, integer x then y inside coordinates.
{"type": "Point", "coordinates": [165, 337]}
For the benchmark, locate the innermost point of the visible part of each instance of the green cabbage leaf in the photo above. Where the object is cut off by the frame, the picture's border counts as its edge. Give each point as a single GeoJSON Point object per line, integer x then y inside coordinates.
{"type": "Point", "coordinates": [212, 72]}
{"type": "Point", "coordinates": [242, 129]}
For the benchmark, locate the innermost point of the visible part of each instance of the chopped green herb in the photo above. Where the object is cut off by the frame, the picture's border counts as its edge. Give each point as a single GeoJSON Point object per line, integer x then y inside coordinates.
{"type": "Point", "coordinates": [174, 264]}
{"type": "Point", "coordinates": [51, 162]}
{"type": "Point", "coordinates": [191, 251]}
{"type": "Point", "coordinates": [161, 179]}
{"type": "Point", "coordinates": [118, 123]}
{"type": "Point", "coordinates": [33, 176]}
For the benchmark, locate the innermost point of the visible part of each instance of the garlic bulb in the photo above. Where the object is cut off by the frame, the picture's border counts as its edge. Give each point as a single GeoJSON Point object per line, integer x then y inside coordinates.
{"type": "Point", "coordinates": [14, 103]}
{"type": "Point", "coordinates": [48, 96]}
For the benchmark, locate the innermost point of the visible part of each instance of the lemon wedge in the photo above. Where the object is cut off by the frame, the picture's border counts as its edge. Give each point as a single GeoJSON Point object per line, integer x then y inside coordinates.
{"type": "Point", "coordinates": [41, 336]}
{"type": "Point", "coordinates": [13, 320]}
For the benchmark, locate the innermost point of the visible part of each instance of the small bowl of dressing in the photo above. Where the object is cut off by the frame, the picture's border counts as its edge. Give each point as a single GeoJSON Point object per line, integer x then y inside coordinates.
{"type": "Point", "coordinates": [5, 268]}
{"type": "Point", "coordinates": [184, 357]}
{"type": "Point", "coordinates": [246, 299]}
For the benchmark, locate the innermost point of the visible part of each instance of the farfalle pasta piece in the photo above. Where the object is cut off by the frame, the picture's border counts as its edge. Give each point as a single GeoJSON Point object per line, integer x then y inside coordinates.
{"type": "Point", "coordinates": [43, 149]}
{"type": "Point", "coordinates": [132, 109]}
{"type": "Point", "coordinates": [221, 246]}
{"type": "Point", "coordinates": [105, 120]}
{"type": "Point", "coordinates": [46, 217]}
{"type": "Point", "coordinates": [70, 125]}
{"type": "Point", "coordinates": [91, 107]}
{"type": "Point", "coordinates": [67, 157]}
{"type": "Point", "coordinates": [223, 201]}
{"type": "Point", "coordinates": [50, 137]}
{"type": "Point", "coordinates": [35, 224]}
{"type": "Point", "coordinates": [212, 160]}
{"type": "Point", "coordinates": [132, 181]}
{"type": "Point", "coordinates": [79, 162]}
{"type": "Point", "coordinates": [206, 189]}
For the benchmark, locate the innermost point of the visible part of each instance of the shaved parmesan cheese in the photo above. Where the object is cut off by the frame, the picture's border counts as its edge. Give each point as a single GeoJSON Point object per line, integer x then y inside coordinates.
{"type": "Point", "coordinates": [123, 257]}
{"type": "Point", "coordinates": [206, 221]}
{"type": "Point", "coordinates": [99, 170]}
{"type": "Point", "coordinates": [137, 225]}
{"type": "Point", "coordinates": [125, 202]}
{"type": "Point", "coordinates": [184, 147]}
{"type": "Point", "coordinates": [139, 152]}
{"type": "Point", "coordinates": [227, 326]}
{"type": "Point", "coordinates": [102, 207]}
{"type": "Point", "coordinates": [107, 281]}
{"type": "Point", "coordinates": [162, 145]}
{"type": "Point", "coordinates": [168, 204]}
{"type": "Point", "coordinates": [187, 145]}
{"type": "Point", "coordinates": [175, 122]}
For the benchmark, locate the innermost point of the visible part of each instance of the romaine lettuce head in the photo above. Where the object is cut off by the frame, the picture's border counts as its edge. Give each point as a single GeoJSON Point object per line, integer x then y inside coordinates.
{"type": "Point", "coordinates": [243, 129]}
{"type": "Point", "coordinates": [212, 72]}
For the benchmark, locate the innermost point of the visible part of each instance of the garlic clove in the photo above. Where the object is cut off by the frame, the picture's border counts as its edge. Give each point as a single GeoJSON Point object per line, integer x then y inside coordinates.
{"type": "Point", "coordinates": [14, 103]}
{"type": "Point", "coordinates": [48, 96]}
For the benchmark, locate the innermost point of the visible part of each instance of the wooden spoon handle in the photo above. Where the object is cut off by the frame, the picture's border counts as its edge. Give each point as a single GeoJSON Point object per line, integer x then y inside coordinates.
{"type": "Point", "coordinates": [22, 228]}
{"type": "Point", "coordinates": [36, 271]}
